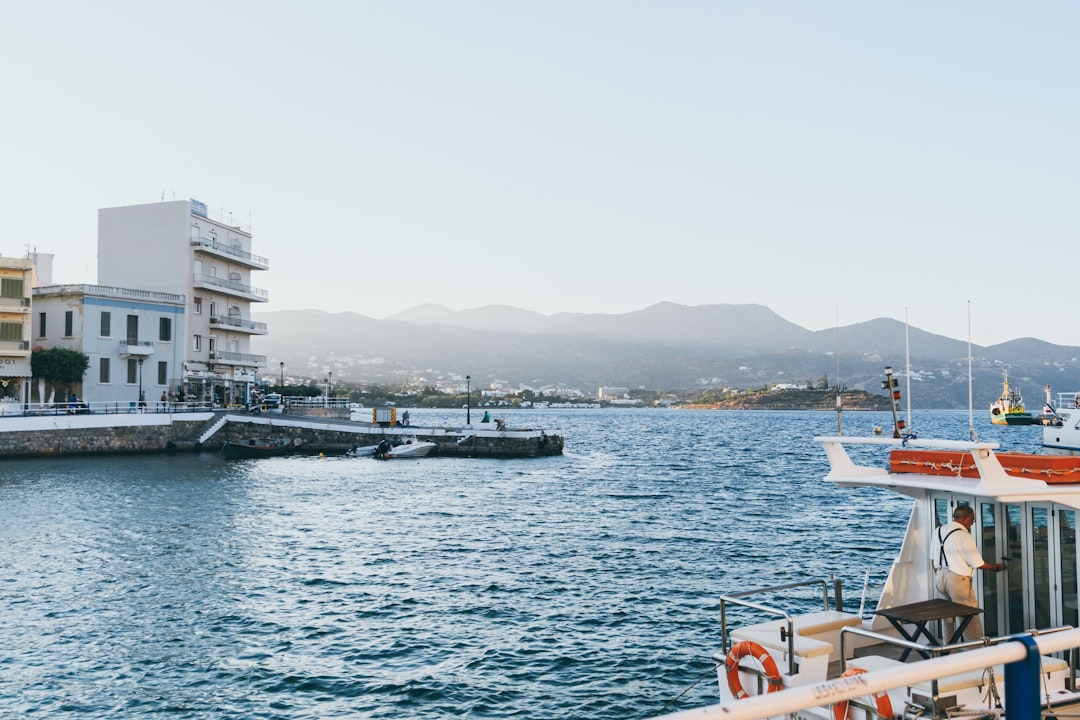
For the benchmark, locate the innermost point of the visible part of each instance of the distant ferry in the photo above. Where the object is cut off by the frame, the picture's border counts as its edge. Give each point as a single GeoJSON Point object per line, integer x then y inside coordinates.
{"type": "Point", "coordinates": [540, 405]}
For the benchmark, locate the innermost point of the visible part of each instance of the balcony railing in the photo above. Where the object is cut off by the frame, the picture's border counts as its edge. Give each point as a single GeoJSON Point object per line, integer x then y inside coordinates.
{"type": "Point", "coordinates": [233, 287]}
{"type": "Point", "coordinates": [238, 323]}
{"type": "Point", "coordinates": [136, 348]}
{"type": "Point", "coordinates": [242, 255]}
{"type": "Point", "coordinates": [236, 358]}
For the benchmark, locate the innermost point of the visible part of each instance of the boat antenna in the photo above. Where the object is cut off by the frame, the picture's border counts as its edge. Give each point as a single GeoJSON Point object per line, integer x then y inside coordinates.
{"type": "Point", "coordinates": [839, 392]}
{"type": "Point", "coordinates": [907, 361]}
{"type": "Point", "coordinates": [971, 412]}
{"type": "Point", "coordinates": [890, 384]}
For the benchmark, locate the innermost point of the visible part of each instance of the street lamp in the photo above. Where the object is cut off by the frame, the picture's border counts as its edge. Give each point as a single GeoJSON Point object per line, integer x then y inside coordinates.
{"type": "Point", "coordinates": [329, 384]}
{"type": "Point", "coordinates": [282, 382]}
{"type": "Point", "coordinates": [140, 384]}
{"type": "Point", "coordinates": [468, 400]}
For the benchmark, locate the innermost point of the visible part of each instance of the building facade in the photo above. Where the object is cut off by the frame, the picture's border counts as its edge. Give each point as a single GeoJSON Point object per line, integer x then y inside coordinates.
{"type": "Point", "coordinates": [16, 288]}
{"type": "Point", "coordinates": [134, 339]}
{"type": "Point", "coordinates": [176, 248]}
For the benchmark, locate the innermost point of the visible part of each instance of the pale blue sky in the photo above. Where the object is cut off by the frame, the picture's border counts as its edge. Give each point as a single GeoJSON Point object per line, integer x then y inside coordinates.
{"type": "Point", "coordinates": [831, 160]}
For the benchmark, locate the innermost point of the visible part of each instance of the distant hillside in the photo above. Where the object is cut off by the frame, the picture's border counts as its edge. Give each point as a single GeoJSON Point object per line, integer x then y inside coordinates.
{"type": "Point", "coordinates": [665, 346]}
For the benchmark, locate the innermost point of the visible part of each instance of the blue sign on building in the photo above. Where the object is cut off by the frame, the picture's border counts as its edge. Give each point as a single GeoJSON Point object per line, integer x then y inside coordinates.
{"type": "Point", "coordinates": [198, 208]}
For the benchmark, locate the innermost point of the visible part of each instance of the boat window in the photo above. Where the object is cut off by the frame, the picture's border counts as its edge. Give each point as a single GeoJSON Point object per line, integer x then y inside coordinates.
{"type": "Point", "coordinates": [988, 542]}
{"type": "Point", "coordinates": [1067, 530]}
{"type": "Point", "coordinates": [1040, 565]}
{"type": "Point", "coordinates": [1015, 553]}
{"type": "Point", "coordinates": [941, 512]}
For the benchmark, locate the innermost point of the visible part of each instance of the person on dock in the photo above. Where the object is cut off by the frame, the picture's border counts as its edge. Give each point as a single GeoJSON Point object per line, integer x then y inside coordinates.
{"type": "Point", "coordinates": [487, 417]}
{"type": "Point", "coordinates": [955, 559]}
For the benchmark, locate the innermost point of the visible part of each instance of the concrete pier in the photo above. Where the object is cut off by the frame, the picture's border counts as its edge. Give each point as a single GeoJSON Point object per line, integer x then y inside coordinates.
{"type": "Point", "coordinates": [153, 432]}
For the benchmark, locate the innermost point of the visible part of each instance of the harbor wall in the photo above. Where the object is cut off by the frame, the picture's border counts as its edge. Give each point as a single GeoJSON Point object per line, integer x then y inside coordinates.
{"type": "Point", "coordinates": [63, 434]}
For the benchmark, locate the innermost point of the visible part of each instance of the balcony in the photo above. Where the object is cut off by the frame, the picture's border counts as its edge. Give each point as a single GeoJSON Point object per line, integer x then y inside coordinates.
{"type": "Point", "coordinates": [238, 324]}
{"type": "Point", "coordinates": [136, 349]}
{"type": "Point", "coordinates": [220, 249]}
{"type": "Point", "coordinates": [231, 287]}
{"type": "Point", "coordinates": [236, 358]}
{"type": "Point", "coordinates": [15, 304]}
{"type": "Point", "coordinates": [16, 347]}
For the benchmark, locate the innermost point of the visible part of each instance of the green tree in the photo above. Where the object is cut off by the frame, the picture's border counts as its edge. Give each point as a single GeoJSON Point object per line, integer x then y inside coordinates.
{"type": "Point", "coordinates": [58, 366]}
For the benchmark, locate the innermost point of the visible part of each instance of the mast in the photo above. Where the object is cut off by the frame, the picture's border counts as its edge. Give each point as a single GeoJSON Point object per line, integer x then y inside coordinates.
{"type": "Point", "coordinates": [971, 413]}
{"type": "Point", "coordinates": [839, 397]}
{"type": "Point", "coordinates": [907, 360]}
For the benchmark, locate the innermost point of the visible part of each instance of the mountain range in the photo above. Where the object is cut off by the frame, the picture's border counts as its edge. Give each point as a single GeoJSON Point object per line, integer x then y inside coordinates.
{"type": "Point", "coordinates": [666, 346]}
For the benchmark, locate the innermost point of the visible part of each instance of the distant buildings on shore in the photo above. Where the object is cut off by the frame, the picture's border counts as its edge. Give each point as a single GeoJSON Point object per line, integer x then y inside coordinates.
{"type": "Point", "coordinates": [170, 313]}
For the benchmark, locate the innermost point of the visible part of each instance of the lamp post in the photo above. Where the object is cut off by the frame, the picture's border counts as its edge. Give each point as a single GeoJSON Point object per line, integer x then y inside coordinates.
{"type": "Point", "coordinates": [468, 400]}
{"type": "Point", "coordinates": [281, 384]}
{"type": "Point", "coordinates": [140, 385]}
{"type": "Point", "coordinates": [329, 385]}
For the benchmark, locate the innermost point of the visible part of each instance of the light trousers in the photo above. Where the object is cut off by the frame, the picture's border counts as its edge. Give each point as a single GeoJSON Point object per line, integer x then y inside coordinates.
{"type": "Point", "coordinates": [959, 589]}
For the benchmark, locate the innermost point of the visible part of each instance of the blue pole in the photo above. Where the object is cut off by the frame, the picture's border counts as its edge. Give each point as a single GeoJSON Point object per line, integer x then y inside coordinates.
{"type": "Point", "coordinates": [1022, 683]}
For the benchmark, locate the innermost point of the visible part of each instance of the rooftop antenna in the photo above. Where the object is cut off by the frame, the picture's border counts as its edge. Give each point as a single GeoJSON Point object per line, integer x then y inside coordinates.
{"type": "Point", "coordinates": [971, 412]}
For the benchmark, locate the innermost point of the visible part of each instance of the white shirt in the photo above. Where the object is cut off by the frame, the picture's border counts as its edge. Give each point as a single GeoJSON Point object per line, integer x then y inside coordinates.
{"type": "Point", "coordinates": [959, 554]}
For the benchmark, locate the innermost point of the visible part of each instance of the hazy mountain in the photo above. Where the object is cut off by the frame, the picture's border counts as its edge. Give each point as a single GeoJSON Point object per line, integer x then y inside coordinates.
{"type": "Point", "coordinates": [665, 346]}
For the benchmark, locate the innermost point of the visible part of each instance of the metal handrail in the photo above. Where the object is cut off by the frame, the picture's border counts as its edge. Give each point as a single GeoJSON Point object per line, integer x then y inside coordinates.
{"type": "Point", "coordinates": [735, 598]}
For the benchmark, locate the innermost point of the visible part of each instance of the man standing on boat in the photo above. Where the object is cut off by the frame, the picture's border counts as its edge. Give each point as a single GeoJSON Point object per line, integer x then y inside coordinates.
{"type": "Point", "coordinates": [956, 558]}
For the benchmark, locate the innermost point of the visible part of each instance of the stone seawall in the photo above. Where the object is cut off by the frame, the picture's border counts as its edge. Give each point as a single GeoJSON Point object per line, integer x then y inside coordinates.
{"type": "Point", "coordinates": [177, 432]}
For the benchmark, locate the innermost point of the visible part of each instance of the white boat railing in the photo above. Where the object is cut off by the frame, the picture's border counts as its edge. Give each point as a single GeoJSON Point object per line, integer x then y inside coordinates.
{"type": "Point", "coordinates": [1021, 656]}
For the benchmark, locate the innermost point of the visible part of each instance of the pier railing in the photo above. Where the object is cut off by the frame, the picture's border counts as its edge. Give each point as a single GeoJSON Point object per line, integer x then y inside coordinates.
{"type": "Point", "coordinates": [111, 407]}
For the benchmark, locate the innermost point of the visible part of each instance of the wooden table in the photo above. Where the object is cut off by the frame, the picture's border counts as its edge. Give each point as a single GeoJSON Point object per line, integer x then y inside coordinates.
{"type": "Point", "coordinates": [921, 614]}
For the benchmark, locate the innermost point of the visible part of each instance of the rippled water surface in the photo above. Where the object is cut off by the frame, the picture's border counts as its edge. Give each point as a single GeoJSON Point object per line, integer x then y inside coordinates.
{"type": "Point", "coordinates": [582, 586]}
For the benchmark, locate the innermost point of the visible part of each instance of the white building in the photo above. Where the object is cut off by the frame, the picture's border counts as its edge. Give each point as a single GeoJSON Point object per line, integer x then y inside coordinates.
{"type": "Point", "coordinates": [134, 339]}
{"type": "Point", "coordinates": [16, 284]}
{"type": "Point", "coordinates": [176, 248]}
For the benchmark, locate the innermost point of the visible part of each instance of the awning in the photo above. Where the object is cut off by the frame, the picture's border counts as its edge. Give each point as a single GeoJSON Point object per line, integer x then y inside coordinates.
{"type": "Point", "coordinates": [15, 366]}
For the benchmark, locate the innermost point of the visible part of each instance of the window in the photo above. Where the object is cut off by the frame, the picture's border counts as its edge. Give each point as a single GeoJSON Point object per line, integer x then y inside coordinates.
{"type": "Point", "coordinates": [41, 324]}
{"type": "Point", "coordinates": [133, 329]}
{"type": "Point", "coordinates": [197, 345]}
{"type": "Point", "coordinates": [103, 370]}
{"type": "Point", "coordinates": [198, 306]}
{"type": "Point", "coordinates": [133, 371]}
{"type": "Point", "coordinates": [165, 329]}
{"type": "Point", "coordinates": [106, 324]}
{"type": "Point", "coordinates": [163, 373]}
{"type": "Point", "coordinates": [69, 323]}
{"type": "Point", "coordinates": [11, 331]}
{"type": "Point", "coordinates": [212, 309]}
{"type": "Point", "coordinates": [11, 287]}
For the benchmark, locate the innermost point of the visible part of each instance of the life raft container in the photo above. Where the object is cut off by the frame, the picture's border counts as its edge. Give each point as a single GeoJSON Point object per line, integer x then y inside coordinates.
{"type": "Point", "coordinates": [752, 649]}
{"type": "Point", "coordinates": [1048, 468]}
{"type": "Point", "coordinates": [881, 700]}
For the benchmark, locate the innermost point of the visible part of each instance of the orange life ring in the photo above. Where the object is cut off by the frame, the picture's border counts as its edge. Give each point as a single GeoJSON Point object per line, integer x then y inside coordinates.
{"type": "Point", "coordinates": [741, 650]}
{"type": "Point", "coordinates": [881, 699]}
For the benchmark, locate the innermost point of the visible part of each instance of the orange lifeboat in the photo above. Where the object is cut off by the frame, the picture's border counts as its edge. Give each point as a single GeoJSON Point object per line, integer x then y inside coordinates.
{"type": "Point", "coordinates": [1048, 468]}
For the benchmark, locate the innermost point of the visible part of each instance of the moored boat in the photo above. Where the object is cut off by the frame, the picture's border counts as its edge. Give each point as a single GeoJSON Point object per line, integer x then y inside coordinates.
{"type": "Point", "coordinates": [1008, 409]}
{"type": "Point", "coordinates": [409, 447]}
{"type": "Point", "coordinates": [258, 447]}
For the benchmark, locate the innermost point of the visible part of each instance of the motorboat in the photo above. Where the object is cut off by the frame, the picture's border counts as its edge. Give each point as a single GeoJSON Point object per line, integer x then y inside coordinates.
{"type": "Point", "coordinates": [1008, 409]}
{"type": "Point", "coordinates": [409, 447]}
{"type": "Point", "coordinates": [894, 660]}
{"type": "Point", "coordinates": [258, 447]}
{"type": "Point", "coordinates": [361, 451]}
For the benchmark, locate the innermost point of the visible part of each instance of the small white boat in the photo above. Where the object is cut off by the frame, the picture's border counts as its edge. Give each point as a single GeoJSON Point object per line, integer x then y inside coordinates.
{"type": "Point", "coordinates": [361, 451]}
{"type": "Point", "coordinates": [409, 447]}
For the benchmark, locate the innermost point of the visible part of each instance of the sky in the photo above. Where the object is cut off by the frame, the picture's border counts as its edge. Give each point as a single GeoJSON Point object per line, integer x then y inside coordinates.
{"type": "Point", "coordinates": [836, 162]}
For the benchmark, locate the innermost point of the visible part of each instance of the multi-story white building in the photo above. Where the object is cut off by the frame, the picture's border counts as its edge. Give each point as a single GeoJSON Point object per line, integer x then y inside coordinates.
{"type": "Point", "coordinates": [16, 285]}
{"type": "Point", "coordinates": [134, 339]}
{"type": "Point", "coordinates": [176, 248]}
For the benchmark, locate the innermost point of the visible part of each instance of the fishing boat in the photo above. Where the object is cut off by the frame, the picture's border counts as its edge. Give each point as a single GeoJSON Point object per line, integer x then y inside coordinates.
{"type": "Point", "coordinates": [1008, 409]}
{"type": "Point", "coordinates": [894, 660]}
{"type": "Point", "coordinates": [258, 447]}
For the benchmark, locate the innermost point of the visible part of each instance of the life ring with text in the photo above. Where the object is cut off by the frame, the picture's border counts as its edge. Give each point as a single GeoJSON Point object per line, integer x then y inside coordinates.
{"type": "Point", "coordinates": [741, 650]}
{"type": "Point", "coordinates": [881, 700]}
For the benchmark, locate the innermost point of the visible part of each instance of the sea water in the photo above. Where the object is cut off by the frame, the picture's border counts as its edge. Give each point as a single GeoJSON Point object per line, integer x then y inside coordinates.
{"type": "Point", "coordinates": [585, 586]}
